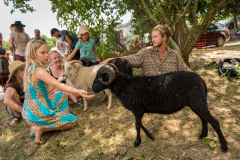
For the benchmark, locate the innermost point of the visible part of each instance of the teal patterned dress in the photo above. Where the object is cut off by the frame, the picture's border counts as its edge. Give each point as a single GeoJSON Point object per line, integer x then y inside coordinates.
{"type": "Point", "coordinates": [44, 110]}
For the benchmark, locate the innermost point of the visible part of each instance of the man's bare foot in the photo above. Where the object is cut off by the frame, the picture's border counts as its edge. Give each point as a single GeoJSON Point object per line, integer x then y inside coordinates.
{"type": "Point", "coordinates": [38, 131]}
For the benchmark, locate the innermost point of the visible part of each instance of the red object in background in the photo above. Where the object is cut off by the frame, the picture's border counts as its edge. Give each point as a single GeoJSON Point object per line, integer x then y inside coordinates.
{"type": "Point", "coordinates": [217, 34]}
{"type": "Point", "coordinates": [143, 45]}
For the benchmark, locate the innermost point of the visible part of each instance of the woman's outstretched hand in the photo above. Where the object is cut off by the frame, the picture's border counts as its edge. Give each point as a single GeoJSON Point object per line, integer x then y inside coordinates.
{"type": "Point", "coordinates": [84, 94]}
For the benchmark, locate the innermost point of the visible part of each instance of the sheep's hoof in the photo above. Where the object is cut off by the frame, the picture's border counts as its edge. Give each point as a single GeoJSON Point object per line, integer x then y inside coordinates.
{"type": "Point", "coordinates": [85, 109]}
{"type": "Point", "coordinates": [151, 137]}
{"type": "Point", "coordinates": [224, 148]}
{"type": "Point", "coordinates": [137, 143]}
{"type": "Point", "coordinates": [202, 136]}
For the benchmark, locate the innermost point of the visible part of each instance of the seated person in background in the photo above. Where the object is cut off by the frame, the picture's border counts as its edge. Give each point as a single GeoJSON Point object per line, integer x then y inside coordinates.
{"type": "Point", "coordinates": [14, 95]}
{"type": "Point", "coordinates": [86, 45]}
{"type": "Point", "coordinates": [56, 70]}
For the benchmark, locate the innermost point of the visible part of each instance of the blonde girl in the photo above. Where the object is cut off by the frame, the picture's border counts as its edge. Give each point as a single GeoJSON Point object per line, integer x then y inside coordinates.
{"type": "Point", "coordinates": [86, 45]}
{"type": "Point", "coordinates": [41, 111]}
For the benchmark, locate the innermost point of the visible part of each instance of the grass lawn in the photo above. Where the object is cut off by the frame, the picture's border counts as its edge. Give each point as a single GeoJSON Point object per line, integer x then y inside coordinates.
{"type": "Point", "coordinates": [109, 134]}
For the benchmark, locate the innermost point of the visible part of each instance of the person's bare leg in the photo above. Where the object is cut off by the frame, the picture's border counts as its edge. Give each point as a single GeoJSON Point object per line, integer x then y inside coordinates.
{"type": "Point", "coordinates": [72, 97]}
{"type": "Point", "coordinates": [15, 109]}
{"type": "Point", "coordinates": [38, 131]}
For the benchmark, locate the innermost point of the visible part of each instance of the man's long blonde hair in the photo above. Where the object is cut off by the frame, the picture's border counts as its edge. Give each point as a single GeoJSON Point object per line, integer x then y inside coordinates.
{"type": "Point", "coordinates": [164, 30]}
{"type": "Point", "coordinates": [32, 47]}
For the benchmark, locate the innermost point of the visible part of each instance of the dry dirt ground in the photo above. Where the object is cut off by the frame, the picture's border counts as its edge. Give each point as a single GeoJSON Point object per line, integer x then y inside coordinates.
{"type": "Point", "coordinates": [109, 134]}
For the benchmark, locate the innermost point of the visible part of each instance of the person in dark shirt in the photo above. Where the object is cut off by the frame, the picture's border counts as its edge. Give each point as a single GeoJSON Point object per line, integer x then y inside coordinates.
{"type": "Point", "coordinates": [14, 95]}
{"type": "Point", "coordinates": [69, 37]}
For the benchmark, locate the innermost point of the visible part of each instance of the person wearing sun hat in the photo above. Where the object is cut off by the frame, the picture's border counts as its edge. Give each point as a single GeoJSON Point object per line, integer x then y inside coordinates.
{"type": "Point", "coordinates": [18, 40]}
{"type": "Point", "coordinates": [14, 95]}
{"type": "Point", "coordinates": [86, 45]}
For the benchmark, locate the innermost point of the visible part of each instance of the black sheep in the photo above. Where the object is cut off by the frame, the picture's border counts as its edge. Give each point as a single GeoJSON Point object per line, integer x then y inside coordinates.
{"type": "Point", "coordinates": [122, 64]}
{"type": "Point", "coordinates": [164, 94]}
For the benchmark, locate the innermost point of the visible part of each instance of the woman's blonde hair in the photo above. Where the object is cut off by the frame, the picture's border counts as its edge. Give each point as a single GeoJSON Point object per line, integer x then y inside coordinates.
{"type": "Point", "coordinates": [31, 49]}
{"type": "Point", "coordinates": [53, 52]}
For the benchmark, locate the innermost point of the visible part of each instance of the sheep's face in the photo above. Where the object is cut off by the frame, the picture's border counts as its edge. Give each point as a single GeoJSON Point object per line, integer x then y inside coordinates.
{"type": "Point", "coordinates": [97, 85]}
{"type": "Point", "coordinates": [72, 67]}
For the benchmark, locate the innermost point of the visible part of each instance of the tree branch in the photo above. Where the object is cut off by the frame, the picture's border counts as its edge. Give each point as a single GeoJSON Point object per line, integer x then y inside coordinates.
{"type": "Point", "coordinates": [185, 11]}
{"type": "Point", "coordinates": [211, 12]}
{"type": "Point", "coordinates": [165, 18]}
{"type": "Point", "coordinates": [193, 12]}
{"type": "Point", "coordinates": [147, 11]}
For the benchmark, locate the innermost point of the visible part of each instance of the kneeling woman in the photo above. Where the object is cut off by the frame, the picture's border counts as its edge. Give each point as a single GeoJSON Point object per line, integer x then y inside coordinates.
{"type": "Point", "coordinates": [41, 111]}
{"type": "Point", "coordinates": [14, 95]}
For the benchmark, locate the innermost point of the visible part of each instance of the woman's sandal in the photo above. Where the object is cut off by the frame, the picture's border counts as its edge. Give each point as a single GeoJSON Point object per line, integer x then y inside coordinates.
{"type": "Point", "coordinates": [16, 120]}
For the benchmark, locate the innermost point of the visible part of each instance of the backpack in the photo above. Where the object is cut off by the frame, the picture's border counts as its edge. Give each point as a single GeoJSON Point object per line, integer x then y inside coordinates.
{"type": "Point", "coordinates": [230, 67]}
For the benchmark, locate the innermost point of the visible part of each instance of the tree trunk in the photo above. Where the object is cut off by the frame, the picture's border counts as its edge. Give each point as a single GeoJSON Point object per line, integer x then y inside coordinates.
{"type": "Point", "coordinates": [235, 20]}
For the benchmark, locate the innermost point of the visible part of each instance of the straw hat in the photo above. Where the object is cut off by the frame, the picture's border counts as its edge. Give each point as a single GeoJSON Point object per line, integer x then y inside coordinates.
{"type": "Point", "coordinates": [83, 29]}
{"type": "Point", "coordinates": [13, 67]}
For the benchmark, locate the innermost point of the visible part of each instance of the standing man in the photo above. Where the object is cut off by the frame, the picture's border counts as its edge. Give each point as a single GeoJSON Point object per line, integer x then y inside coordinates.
{"type": "Point", "coordinates": [69, 37]}
{"type": "Point", "coordinates": [159, 58]}
{"type": "Point", "coordinates": [37, 36]}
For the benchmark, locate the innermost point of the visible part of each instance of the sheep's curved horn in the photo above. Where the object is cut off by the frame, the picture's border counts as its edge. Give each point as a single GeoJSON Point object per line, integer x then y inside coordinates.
{"type": "Point", "coordinates": [76, 61]}
{"type": "Point", "coordinates": [85, 61]}
{"type": "Point", "coordinates": [107, 69]}
{"type": "Point", "coordinates": [113, 66]}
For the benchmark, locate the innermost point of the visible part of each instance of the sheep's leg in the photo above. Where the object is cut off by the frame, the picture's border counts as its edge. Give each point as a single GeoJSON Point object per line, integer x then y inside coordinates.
{"type": "Point", "coordinates": [215, 124]}
{"type": "Point", "coordinates": [109, 93]}
{"type": "Point", "coordinates": [138, 119]}
{"type": "Point", "coordinates": [104, 98]}
{"type": "Point", "coordinates": [204, 127]}
{"type": "Point", "coordinates": [85, 104]}
{"type": "Point", "coordinates": [147, 132]}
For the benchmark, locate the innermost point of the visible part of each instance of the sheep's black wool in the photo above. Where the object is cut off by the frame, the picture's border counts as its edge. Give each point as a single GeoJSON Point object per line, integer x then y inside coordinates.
{"type": "Point", "coordinates": [164, 94]}
{"type": "Point", "coordinates": [122, 64]}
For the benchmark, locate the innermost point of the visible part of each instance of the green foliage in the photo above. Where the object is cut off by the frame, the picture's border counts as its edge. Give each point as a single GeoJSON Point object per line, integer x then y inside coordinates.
{"type": "Point", "coordinates": [50, 41]}
{"type": "Point", "coordinates": [6, 45]}
{"type": "Point", "coordinates": [20, 5]}
{"type": "Point", "coordinates": [212, 142]}
{"type": "Point", "coordinates": [124, 130]}
{"type": "Point", "coordinates": [228, 10]}
{"type": "Point", "coordinates": [62, 144]}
